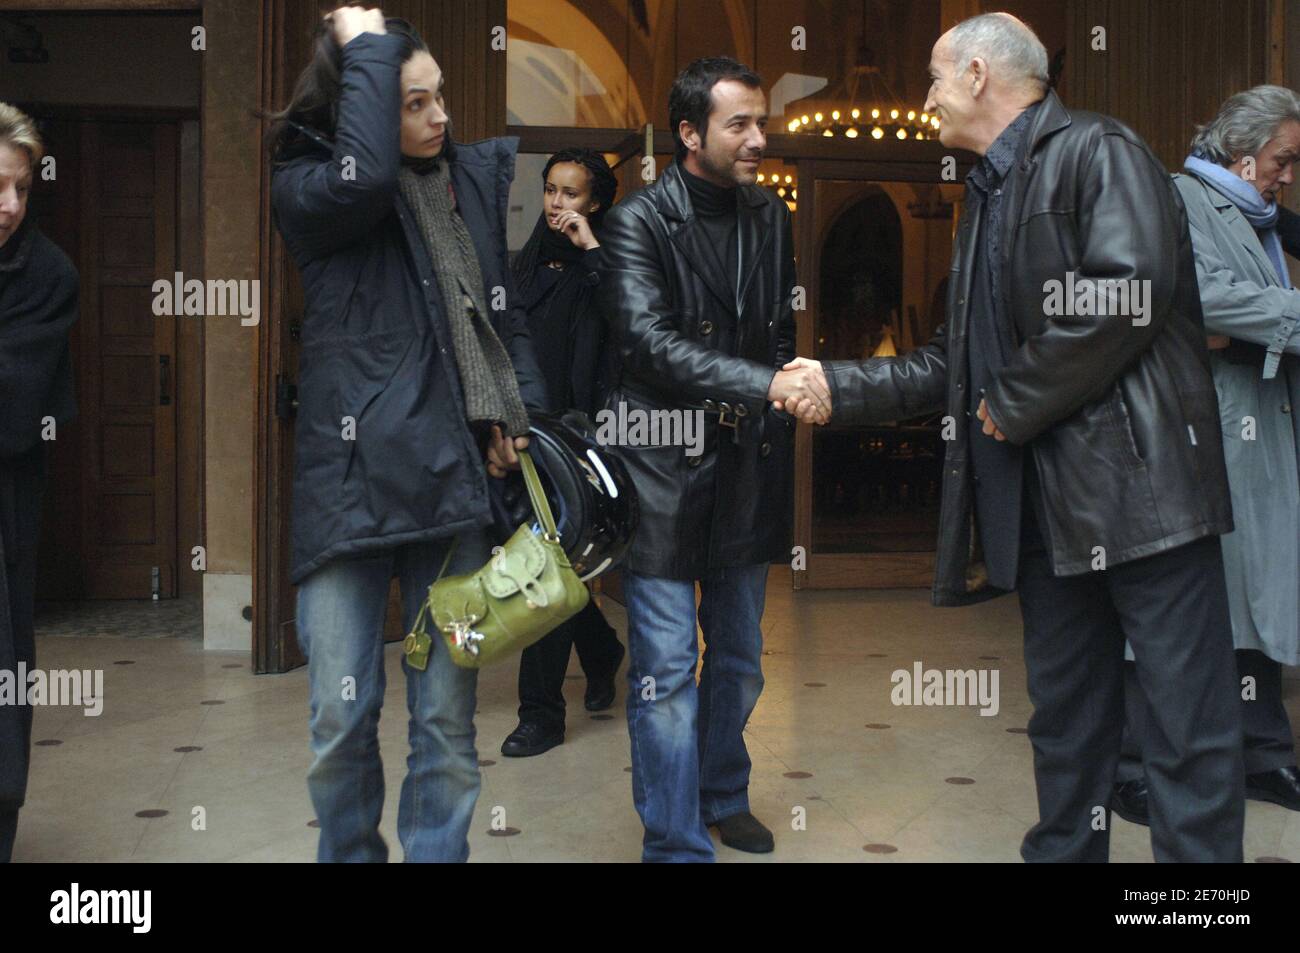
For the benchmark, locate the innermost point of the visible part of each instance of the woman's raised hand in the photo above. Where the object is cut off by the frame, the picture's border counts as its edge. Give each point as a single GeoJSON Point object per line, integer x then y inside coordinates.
{"type": "Point", "coordinates": [349, 22]}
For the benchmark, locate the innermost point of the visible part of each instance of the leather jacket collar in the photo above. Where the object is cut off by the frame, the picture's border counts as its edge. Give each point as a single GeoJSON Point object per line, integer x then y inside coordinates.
{"type": "Point", "coordinates": [1051, 118]}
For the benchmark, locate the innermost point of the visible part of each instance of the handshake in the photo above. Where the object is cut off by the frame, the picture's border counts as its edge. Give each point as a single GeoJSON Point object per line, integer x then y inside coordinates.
{"type": "Point", "coordinates": [801, 390]}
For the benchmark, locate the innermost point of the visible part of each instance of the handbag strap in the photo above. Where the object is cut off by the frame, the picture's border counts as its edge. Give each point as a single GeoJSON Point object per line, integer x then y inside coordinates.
{"type": "Point", "coordinates": [541, 507]}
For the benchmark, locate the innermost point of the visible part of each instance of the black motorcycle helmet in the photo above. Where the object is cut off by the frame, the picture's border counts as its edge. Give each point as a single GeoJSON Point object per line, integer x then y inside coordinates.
{"type": "Point", "coordinates": [592, 497]}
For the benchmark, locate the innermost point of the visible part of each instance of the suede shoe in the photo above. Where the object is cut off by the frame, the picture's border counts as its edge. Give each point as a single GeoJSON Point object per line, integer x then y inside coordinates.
{"type": "Point", "coordinates": [745, 832]}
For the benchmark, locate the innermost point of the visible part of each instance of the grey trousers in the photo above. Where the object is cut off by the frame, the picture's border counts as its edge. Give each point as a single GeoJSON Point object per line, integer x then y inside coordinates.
{"type": "Point", "coordinates": [1266, 730]}
{"type": "Point", "coordinates": [1173, 609]}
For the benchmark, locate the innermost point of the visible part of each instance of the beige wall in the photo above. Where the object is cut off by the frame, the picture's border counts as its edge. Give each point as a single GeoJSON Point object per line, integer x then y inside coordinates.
{"type": "Point", "coordinates": [231, 210]}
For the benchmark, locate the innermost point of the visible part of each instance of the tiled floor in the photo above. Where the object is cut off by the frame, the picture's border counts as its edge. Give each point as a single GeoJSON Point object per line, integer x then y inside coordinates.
{"type": "Point", "coordinates": [827, 783]}
{"type": "Point", "coordinates": [128, 619]}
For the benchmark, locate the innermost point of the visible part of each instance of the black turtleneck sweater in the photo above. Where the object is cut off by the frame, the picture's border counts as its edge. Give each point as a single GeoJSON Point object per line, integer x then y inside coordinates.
{"type": "Point", "coordinates": [715, 207]}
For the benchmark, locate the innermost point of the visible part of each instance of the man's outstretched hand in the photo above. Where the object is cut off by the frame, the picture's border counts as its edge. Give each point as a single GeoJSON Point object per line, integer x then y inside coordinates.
{"type": "Point", "coordinates": [801, 390]}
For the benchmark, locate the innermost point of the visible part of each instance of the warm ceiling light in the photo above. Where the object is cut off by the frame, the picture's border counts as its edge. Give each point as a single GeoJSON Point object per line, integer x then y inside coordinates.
{"type": "Point", "coordinates": [781, 191]}
{"type": "Point", "coordinates": [835, 114]}
{"type": "Point", "coordinates": [925, 117]}
{"type": "Point", "coordinates": [893, 114]}
{"type": "Point", "coordinates": [877, 133]}
{"type": "Point", "coordinates": [760, 176]}
{"type": "Point", "coordinates": [855, 114]}
{"type": "Point", "coordinates": [828, 132]}
{"type": "Point", "coordinates": [911, 115]}
{"type": "Point", "coordinates": [804, 120]}
{"type": "Point", "coordinates": [851, 133]}
{"type": "Point", "coordinates": [902, 133]}
{"type": "Point", "coordinates": [934, 121]}
{"type": "Point", "coordinates": [875, 114]}
{"type": "Point", "coordinates": [817, 116]}
{"type": "Point", "coordinates": [794, 193]}
{"type": "Point", "coordinates": [789, 178]}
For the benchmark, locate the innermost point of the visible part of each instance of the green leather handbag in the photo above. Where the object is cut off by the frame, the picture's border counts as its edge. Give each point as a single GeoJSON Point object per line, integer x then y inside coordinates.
{"type": "Point", "coordinates": [525, 590]}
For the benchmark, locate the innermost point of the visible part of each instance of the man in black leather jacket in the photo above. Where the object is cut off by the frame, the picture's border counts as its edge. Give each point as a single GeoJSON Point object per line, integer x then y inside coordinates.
{"type": "Point", "coordinates": [1087, 467]}
{"type": "Point", "coordinates": [697, 275]}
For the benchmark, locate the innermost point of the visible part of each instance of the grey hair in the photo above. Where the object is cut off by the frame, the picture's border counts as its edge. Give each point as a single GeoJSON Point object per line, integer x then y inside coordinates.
{"type": "Point", "coordinates": [1005, 43]}
{"type": "Point", "coordinates": [1245, 123]}
{"type": "Point", "coordinates": [18, 130]}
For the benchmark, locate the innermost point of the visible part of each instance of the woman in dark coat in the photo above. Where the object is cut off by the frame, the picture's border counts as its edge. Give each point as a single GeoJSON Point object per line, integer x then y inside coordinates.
{"type": "Point", "coordinates": [415, 364]}
{"type": "Point", "coordinates": [38, 306]}
{"type": "Point", "coordinates": [556, 275]}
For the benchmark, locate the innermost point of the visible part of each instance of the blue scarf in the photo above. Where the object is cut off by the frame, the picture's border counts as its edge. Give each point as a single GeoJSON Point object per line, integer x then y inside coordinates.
{"type": "Point", "coordinates": [1261, 215]}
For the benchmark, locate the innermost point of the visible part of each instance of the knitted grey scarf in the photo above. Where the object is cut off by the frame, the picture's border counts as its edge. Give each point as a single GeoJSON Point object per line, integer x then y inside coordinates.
{"type": "Point", "coordinates": [486, 375]}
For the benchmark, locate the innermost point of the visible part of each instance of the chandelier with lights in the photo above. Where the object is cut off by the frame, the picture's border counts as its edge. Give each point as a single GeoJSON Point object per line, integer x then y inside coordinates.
{"type": "Point", "coordinates": [875, 122]}
{"type": "Point", "coordinates": [859, 103]}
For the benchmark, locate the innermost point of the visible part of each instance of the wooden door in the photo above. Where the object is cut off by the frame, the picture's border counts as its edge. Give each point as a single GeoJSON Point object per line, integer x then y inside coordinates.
{"type": "Point", "coordinates": [126, 378]}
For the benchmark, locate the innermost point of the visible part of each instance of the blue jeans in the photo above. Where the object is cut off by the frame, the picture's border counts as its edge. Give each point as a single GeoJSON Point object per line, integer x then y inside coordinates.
{"type": "Point", "coordinates": [689, 763]}
{"type": "Point", "coordinates": [341, 609]}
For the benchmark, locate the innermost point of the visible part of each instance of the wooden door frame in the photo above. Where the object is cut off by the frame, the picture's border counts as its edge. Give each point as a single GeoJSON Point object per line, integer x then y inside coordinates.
{"type": "Point", "coordinates": [844, 570]}
{"type": "Point", "coordinates": [271, 652]}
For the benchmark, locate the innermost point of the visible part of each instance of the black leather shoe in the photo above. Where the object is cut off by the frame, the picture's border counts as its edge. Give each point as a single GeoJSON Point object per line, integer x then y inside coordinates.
{"type": "Point", "coordinates": [531, 739]}
{"type": "Point", "coordinates": [1129, 801]}
{"type": "Point", "coordinates": [1277, 787]}
{"type": "Point", "coordinates": [600, 691]}
{"type": "Point", "coordinates": [745, 832]}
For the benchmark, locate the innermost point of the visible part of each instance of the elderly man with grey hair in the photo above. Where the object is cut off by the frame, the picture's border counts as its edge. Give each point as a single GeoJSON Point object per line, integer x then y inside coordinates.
{"type": "Point", "coordinates": [1087, 470]}
{"type": "Point", "coordinates": [1238, 165]}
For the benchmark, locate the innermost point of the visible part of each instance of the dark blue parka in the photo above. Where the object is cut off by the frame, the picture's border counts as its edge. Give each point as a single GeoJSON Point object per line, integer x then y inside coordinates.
{"type": "Point", "coordinates": [376, 346]}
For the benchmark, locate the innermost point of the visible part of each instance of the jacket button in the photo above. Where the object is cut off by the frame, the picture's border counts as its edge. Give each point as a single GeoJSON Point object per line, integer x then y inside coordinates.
{"type": "Point", "coordinates": [724, 407]}
{"type": "Point", "coordinates": [961, 386]}
{"type": "Point", "coordinates": [1286, 408]}
{"type": "Point", "coordinates": [706, 327]}
{"type": "Point", "coordinates": [741, 410]}
{"type": "Point", "coordinates": [694, 462]}
{"type": "Point", "coordinates": [426, 282]}
{"type": "Point", "coordinates": [593, 278]}
{"type": "Point", "coordinates": [764, 449]}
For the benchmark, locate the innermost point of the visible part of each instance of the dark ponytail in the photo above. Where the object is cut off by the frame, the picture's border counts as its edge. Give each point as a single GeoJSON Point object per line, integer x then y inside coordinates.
{"type": "Point", "coordinates": [315, 100]}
